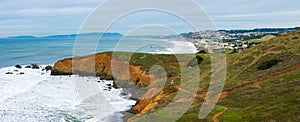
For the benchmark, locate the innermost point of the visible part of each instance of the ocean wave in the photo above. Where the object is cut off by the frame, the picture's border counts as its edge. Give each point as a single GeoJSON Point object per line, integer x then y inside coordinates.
{"type": "Point", "coordinates": [34, 95]}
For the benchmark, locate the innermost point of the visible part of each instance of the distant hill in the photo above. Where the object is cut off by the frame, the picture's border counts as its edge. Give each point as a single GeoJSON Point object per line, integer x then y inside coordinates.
{"type": "Point", "coordinates": [21, 37]}
{"type": "Point", "coordinates": [67, 36]}
{"type": "Point", "coordinates": [264, 38]}
{"type": "Point", "coordinates": [280, 30]}
{"type": "Point", "coordinates": [85, 35]}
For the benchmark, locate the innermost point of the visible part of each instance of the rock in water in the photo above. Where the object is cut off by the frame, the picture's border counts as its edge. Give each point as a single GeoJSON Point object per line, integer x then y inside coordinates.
{"type": "Point", "coordinates": [9, 73]}
{"type": "Point", "coordinates": [115, 85]}
{"type": "Point", "coordinates": [27, 66]}
{"type": "Point", "coordinates": [18, 66]}
{"type": "Point", "coordinates": [35, 66]}
{"type": "Point", "coordinates": [48, 68]}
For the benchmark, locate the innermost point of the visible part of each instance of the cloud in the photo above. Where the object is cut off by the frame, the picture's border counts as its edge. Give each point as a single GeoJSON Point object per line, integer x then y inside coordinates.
{"type": "Point", "coordinates": [46, 17]}
{"type": "Point", "coordinates": [47, 12]}
{"type": "Point", "coordinates": [251, 15]}
{"type": "Point", "coordinates": [26, 4]}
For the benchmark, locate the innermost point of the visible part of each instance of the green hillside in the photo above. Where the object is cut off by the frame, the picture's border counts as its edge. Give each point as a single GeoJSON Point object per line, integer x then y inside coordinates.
{"type": "Point", "coordinates": [263, 83]}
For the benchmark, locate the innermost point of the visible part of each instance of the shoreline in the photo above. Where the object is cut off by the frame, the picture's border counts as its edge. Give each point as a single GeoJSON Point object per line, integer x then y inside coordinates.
{"type": "Point", "coordinates": [176, 47]}
{"type": "Point", "coordinates": [45, 75]}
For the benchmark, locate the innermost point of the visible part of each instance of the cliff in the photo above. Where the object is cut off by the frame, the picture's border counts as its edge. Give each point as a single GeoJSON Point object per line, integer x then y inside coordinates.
{"type": "Point", "coordinates": [101, 68]}
{"type": "Point", "coordinates": [139, 67]}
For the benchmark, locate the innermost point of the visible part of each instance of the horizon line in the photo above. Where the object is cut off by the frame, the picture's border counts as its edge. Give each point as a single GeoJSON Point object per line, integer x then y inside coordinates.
{"type": "Point", "coordinates": [70, 34]}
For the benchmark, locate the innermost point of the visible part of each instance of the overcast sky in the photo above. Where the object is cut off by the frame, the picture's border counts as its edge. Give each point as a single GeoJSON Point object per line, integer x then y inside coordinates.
{"type": "Point", "coordinates": [49, 17]}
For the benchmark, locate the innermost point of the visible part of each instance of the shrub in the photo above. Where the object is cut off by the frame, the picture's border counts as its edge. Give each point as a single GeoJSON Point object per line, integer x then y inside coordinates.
{"type": "Point", "coordinates": [268, 64]}
{"type": "Point", "coordinates": [196, 61]}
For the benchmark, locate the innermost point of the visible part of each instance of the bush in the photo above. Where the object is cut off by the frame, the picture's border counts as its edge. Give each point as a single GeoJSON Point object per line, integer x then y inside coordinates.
{"type": "Point", "coordinates": [196, 61]}
{"type": "Point", "coordinates": [268, 64]}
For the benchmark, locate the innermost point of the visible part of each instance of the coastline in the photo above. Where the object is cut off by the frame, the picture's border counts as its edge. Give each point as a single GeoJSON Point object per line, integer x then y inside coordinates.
{"type": "Point", "coordinates": [61, 90]}
{"type": "Point", "coordinates": [175, 47]}
{"type": "Point", "coordinates": [126, 113]}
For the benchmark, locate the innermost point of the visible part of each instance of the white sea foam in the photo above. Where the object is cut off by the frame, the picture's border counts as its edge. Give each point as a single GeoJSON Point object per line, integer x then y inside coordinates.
{"type": "Point", "coordinates": [37, 96]}
{"type": "Point", "coordinates": [177, 47]}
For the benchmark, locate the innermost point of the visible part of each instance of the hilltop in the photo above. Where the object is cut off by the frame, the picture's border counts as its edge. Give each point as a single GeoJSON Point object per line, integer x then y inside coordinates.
{"type": "Point", "coordinates": [262, 82]}
{"type": "Point", "coordinates": [264, 38]}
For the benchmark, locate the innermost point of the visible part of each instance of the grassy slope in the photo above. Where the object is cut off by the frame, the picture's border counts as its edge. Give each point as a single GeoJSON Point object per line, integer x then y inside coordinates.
{"type": "Point", "coordinates": [264, 95]}
{"type": "Point", "coordinates": [260, 95]}
{"type": "Point", "coordinates": [262, 39]}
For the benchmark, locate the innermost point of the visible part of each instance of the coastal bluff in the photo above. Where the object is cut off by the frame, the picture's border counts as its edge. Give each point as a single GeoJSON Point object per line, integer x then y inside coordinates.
{"type": "Point", "coordinates": [99, 65]}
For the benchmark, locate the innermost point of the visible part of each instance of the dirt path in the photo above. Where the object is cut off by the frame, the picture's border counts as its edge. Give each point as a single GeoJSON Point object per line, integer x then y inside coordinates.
{"type": "Point", "coordinates": [215, 118]}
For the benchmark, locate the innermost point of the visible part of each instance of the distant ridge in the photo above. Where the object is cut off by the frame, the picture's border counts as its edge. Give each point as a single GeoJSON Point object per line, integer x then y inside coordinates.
{"type": "Point", "coordinates": [116, 35]}
{"type": "Point", "coordinates": [262, 39]}
{"type": "Point", "coordinates": [262, 30]}
{"type": "Point", "coordinates": [86, 35]}
{"type": "Point", "coordinates": [22, 37]}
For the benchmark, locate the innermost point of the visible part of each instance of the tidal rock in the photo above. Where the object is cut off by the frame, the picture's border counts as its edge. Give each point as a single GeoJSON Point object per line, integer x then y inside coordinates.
{"type": "Point", "coordinates": [27, 66]}
{"type": "Point", "coordinates": [115, 85]}
{"type": "Point", "coordinates": [18, 66]}
{"type": "Point", "coordinates": [123, 94]}
{"type": "Point", "coordinates": [9, 73]}
{"type": "Point", "coordinates": [134, 98]}
{"type": "Point", "coordinates": [47, 68]}
{"type": "Point", "coordinates": [35, 66]}
{"type": "Point", "coordinates": [16, 70]}
{"type": "Point", "coordinates": [22, 73]}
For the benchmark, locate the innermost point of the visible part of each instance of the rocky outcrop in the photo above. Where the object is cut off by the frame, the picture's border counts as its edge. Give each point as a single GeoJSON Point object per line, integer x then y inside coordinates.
{"type": "Point", "coordinates": [100, 65]}
{"type": "Point", "coordinates": [9, 73]}
{"type": "Point", "coordinates": [18, 66]}
{"type": "Point", "coordinates": [47, 68]}
{"type": "Point", "coordinates": [35, 66]}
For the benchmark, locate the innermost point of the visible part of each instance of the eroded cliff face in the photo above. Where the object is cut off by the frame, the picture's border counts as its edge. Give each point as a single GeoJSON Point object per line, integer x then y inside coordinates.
{"type": "Point", "coordinates": [131, 76]}
{"type": "Point", "coordinates": [100, 65]}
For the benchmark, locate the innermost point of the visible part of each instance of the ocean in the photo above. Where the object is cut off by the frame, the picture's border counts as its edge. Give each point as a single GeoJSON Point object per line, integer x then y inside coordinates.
{"type": "Point", "coordinates": [34, 95]}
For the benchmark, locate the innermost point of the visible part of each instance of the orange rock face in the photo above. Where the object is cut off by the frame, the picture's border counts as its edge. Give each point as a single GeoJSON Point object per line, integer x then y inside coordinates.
{"type": "Point", "coordinates": [100, 65]}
